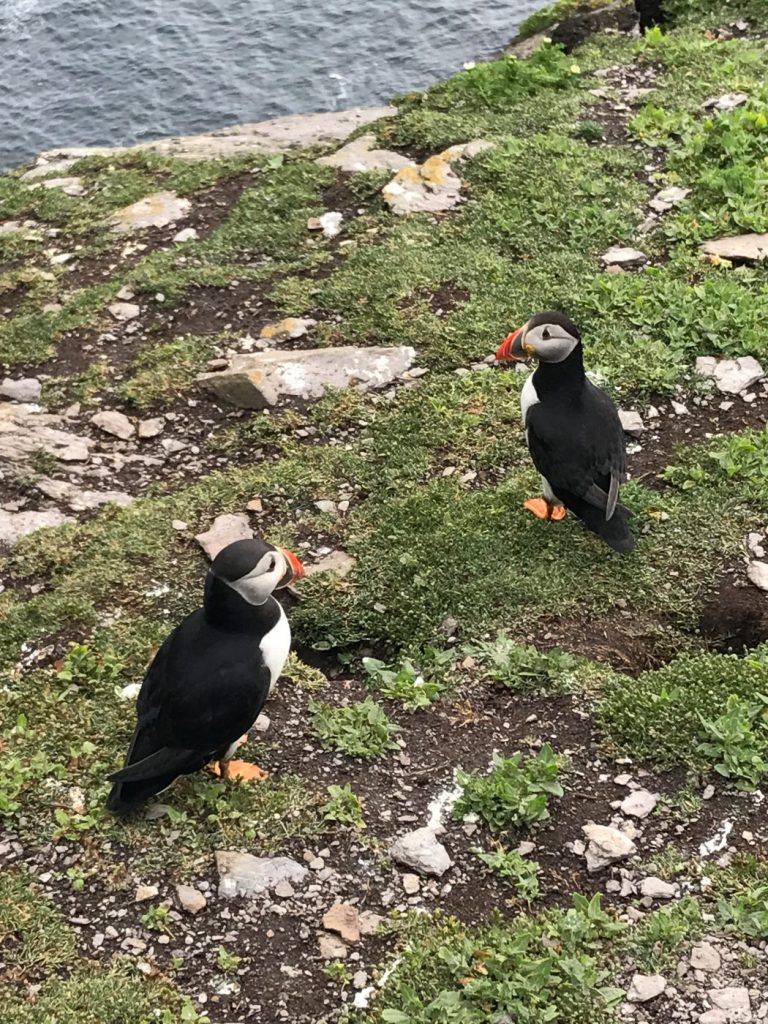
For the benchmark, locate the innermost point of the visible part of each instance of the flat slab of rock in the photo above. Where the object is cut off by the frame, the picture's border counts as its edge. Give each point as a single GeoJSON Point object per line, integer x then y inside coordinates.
{"type": "Point", "coordinates": [277, 135]}
{"type": "Point", "coordinates": [631, 422]}
{"type": "Point", "coordinates": [343, 918]}
{"type": "Point", "coordinates": [155, 211]}
{"type": "Point", "coordinates": [639, 803]}
{"type": "Point", "coordinates": [731, 376]}
{"type": "Point", "coordinates": [431, 187]}
{"type": "Point", "coordinates": [668, 197]}
{"type": "Point", "coordinates": [43, 167]}
{"type": "Point", "coordinates": [79, 499]}
{"type": "Point", "coordinates": [729, 101]}
{"type": "Point", "coordinates": [606, 846]}
{"type": "Point", "coordinates": [226, 530]}
{"type": "Point", "coordinates": [69, 186]}
{"type": "Point", "coordinates": [623, 256]}
{"type": "Point", "coordinates": [14, 525]}
{"type": "Point", "coordinates": [338, 561]}
{"type": "Point", "coordinates": [10, 227]}
{"type": "Point", "coordinates": [241, 874]}
{"type": "Point", "coordinates": [24, 430]}
{"type": "Point", "coordinates": [421, 851]}
{"type": "Point", "coordinates": [734, 1001]}
{"type": "Point", "coordinates": [113, 422]}
{"type": "Point", "coordinates": [124, 310]}
{"type": "Point", "coordinates": [26, 389]}
{"type": "Point", "coordinates": [289, 328]}
{"type": "Point", "coordinates": [260, 379]}
{"type": "Point", "coordinates": [750, 248]}
{"type": "Point", "coordinates": [190, 898]}
{"type": "Point", "coordinates": [658, 889]}
{"type": "Point", "coordinates": [705, 957]}
{"type": "Point", "coordinates": [645, 987]}
{"type": "Point", "coordinates": [758, 574]}
{"type": "Point", "coordinates": [360, 155]}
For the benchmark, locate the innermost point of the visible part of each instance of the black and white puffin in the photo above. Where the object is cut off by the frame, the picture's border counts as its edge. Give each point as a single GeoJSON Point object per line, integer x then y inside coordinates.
{"type": "Point", "coordinates": [572, 429]}
{"type": "Point", "coordinates": [209, 680]}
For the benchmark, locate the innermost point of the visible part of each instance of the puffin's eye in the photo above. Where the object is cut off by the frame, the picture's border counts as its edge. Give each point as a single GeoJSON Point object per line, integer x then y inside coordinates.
{"type": "Point", "coordinates": [545, 334]}
{"type": "Point", "coordinates": [272, 564]}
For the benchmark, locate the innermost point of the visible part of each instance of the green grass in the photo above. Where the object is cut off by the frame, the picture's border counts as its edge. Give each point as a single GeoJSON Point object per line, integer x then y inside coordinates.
{"type": "Point", "coordinates": [162, 373]}
{"type": "Point", "coordinates": [34, 937]}
{"type": "Point", "coordinates": [360, 730]}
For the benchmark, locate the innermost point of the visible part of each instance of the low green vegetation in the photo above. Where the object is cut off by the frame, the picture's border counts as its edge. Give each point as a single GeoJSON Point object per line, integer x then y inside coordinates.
{"type": "Point", "coordinates": [523, 873]}
{"type": "Point", "coordinates": [344, 807]}
{"type": "Point", "coordinates": [360, 730]}
{"type": "Point", "coordinates": [414, 687]}
{"type": "Point", "coordinates": [524, 667]}
{"type": "Point", "coordinates": [737, 741]}
{"type": "Point", "coordinates": [514, 793]}
{"type": "Point", "coordinates": [33, 934]}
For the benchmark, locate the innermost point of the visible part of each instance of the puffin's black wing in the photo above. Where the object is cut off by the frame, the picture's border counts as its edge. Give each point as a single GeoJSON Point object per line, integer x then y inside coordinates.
{"type": "Point", "coordinates": [203, 690]}
{"type": "Point", "coordinates": [579, 447]}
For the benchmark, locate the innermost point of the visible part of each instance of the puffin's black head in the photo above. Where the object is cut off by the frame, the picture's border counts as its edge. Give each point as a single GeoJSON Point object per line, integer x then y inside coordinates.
{"type": "Point", "coordinates": [255, 568]}
{"type": "Point", "coordinates": [549, 337]}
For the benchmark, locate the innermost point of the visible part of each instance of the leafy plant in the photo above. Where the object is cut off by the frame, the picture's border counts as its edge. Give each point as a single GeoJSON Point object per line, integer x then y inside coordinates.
{"type": "Point", "coordinates": [520, 666]}
{"type": "Point", "coordinates": [515, 792]}
{"type": "Point", "coordinates": [157, 919]}
{"type": "Point", "coordinates": [738, 457]}
{"type": "Point", "coordinates": [510, 864]}
{"type": "Point", "coordinates": [344, 806]}
{"type": "Point", "coordinates": [227, 962]}
{"type": "Point", "coordinates": [590, 131]}
{"type": "Point", "coordinates": [361, 730]}
{"type": "Point", "coordinates": [738, 740]}
{"type": "Point", "coordinates": [415, 687]}
{"type": "Point", "coordinates": [82, 665]}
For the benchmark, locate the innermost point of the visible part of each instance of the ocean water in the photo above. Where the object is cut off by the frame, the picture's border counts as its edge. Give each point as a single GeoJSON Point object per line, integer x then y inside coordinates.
{"type": "Point", "coordinates": [113, 72]}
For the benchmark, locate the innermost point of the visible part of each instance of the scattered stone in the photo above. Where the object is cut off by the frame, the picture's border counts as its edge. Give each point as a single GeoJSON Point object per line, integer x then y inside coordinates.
{"type": "Point", "coordinates": [78, 498]}
{"type": "Point", "coordinates": [639, 803]}
{"type": "Point", "coordinates": [709, 792]}
{"type": "Point", "coordinates": [61, 258]}
{"type": "Point", "coordinates": [705, 957]}
{"type": "Point", "coordinates": [338, 561]}
{"type": "Point", "coordinates": [277, 135]}
{"type": "Point", "coordinates": [645, 987]}
{"type": "Point", "coordinates": [360, 155]}
{"type": "Point", "coordinates": [421, 851]}
{"type": "Point", "coordinates": [44, 167]}
{"type": "Point", "coordinates": [331, 947]}
{"type": "Point", "coordinates": [226, 530]}
{"type": "Point", "coordinates": [185, 235]}
{"type": "Point", "coordinates": [750, 247]}
{"type": "Point", "coordinates": [317, 864]}
{"type": "Point", "coordinates": [431, 187]}
{"type": "Point", "coordinates": [69, 186]}
{"type": "Point", "coordinates": [259, 380]}
{"type": "Point", "coordinates": [631, 422]}
{"type": "Point", "coordinates": [606, 846]}
{"type": "Point", "coordinates": [262, 723]}
{"type": "Point", "coordinates": [729, 101]}
{"type": "Point", "coordinates": [411, 884]}
{"type": "Point", "coordinates": [124, 311]}
{"type": "Point", "coordinates": [713, 1017]}
{"type": "Point", "coordinates": [369, 922]}
{"type": "Point", "coordinates": [144, 893]}
{"type": "Point", "coordinates": [155, 211]}
{"type": "Point", "coordinates": [734, 1001]}
{"type": "Point", "coordinates": [359, 980]}
{"type": "Point", "coordinates": [179, 524]}
{"type": "Point", "coordinates": [191, 899]}
{"type": "Point", "coordinates": [152, 427]}
{"type": "Point", "coordinates": [24, 430]}
{"type": "Point", "coordinates": [14, 525]}
{"type": "Point", "coordinates": [623, 256]}
{"type": "Point", "coordinates": [731, 376]}
{"type": "Point", "coordinates": [26, 389]}
{"type": "Point", "coordinates": [324, 505]}
{"type": "Point", "coordinates": [668, 197]}
{"type": "Point", "coordinates": [343, 918]}
{"type": "Point", "coordinates": [330, 223]}
{"type": "Point", "coordinates": [657, 889]}
{"type": "Point", "coordinates": [9, 227]}
{"type": "Point", "coordinates": [758, 574]}
{"type": "Point", "coordinates": [113, 422]}
{"type": "Point", "coordinates": [241, 874]}
{"type": "Point", "coordinates": [284, 890]}
{"type": "Point", "coordinates": [291, 327]}
{"type": "Point", "coordinates": [679, 409]}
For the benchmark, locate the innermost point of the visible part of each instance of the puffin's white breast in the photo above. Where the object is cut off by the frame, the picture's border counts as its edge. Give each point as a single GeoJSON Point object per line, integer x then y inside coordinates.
{"type": "Point", "coordinates": [275, 646]}
{"type": "Point", "coordinates": [528, 397]}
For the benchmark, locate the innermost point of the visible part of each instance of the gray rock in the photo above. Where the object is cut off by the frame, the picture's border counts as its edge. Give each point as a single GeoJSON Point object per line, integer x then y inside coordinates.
{"type": "Point", "coordinates": [226, 530]}
{"type": "Point", "coordinates": [274, 136]}
{"type": "Point", "coordinates": [155, 211]}
{"type": "Point", "coordinates": [69, 186]}
{"type": "Point", "coordinates": [331, 947]}
{"type": "Point", "coordinates": [14, 525]}
{"type": "Point", "coordinates": [421, 851]}
{"type": "Point", "coordinates": [9, 227]}
{"type": "Point", "coordinates": [639, 803]}
{"type": "Point", "coordinates": [714, 1017]}
{"type": "Point", "coordinates": [291, 327]}
{"type": "Point", "coordinates": [185, 235]}
{"type": "Point", "coordinates": [668, 197]}
{"type": "Point", "coordinates": [338, 561]}
{"type": "Point", "coordinates": [734, 1001]}
{"type": "Point", "coordinates": [411, 884]}
{"type": "Point", "coordinates": [151, 427]}
{"type": "Point", "coordinates": [705, 957]}
{"type": "Point", "coordinates": [645, 987]}
{"type": "Point", "coordinates": [729, 101]}
{"type": "Point", "coordinates": [24, 430]}
{"type": "Point", "coordinates": [261, 379]}
{"type": "Point", "coordinates": [750, 247]}
{"type": "Point", "coordinates": [731, 376]}
{"type": "Point", "coordinates": [44, 167]}
{"type": "Point", "coordinates": [191, 899]}
{"type": "Point", "coordinates": [360, 155]}
{"type": "Point", "coordinates": [623, 256]}
{"type": "Point", "coordinates": [330, 223]}
{"type": "Point", "coordinates": [80, 499]}
{"type": "Point", "coordinates": [657, 889]}
{"type": "Point", "coordinates": [284, 889]}
{"type": "Point", "coordinates": [631, 422]}
{"type": "Point", "coordinates": [758, 574]}
{"type": "Point", "coordinates": [124, 310]}
{"type": "Point", "coordinates": [26, 389]}
{"type": "Point", "coordinates": [113, 422]}
{"type": "Point", "coordinates": [606, 846]}
{"type": "Point", "coordinates": [241, 874]}
{"type": "Point", "coordinates": [324, 505]}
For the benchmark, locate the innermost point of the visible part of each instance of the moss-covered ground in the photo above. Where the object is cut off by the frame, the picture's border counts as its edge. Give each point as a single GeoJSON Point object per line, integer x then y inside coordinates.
{"type": "Point", "coordinates": [490, 630]}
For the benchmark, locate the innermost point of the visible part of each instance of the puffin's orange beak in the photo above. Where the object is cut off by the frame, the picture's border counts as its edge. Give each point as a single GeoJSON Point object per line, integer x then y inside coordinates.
{"type": "Point", "coordinates": [512, 348]}
{"type": "Point", "coordinates": [297, 569]}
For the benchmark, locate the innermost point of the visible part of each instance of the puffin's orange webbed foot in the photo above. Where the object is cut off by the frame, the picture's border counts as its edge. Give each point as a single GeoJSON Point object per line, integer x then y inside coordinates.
{"type": "Point", "coordinates": [243, 770]}
{"type": "Point", "coordinates": [544, 509]}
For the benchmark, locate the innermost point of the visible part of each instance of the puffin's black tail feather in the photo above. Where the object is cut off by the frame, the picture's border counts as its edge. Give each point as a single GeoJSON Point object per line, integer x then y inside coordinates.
{"type": "Point", "coordinates": [614, 531]}
{"type": "Point", "coordinates": [140, 780]}
{"type": "Point", "coordinates": [125, 797]}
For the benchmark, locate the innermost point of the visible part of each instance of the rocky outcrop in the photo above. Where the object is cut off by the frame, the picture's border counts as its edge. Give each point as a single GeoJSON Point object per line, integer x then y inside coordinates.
{"type": "Point", "coordinates": [361, 155]}
{"type": "Point", "coordinates": [750, 248]}
{"type": "Point", "coordinates": [155, 211]}
{"type": "Point", "coordinates": [431, 187]}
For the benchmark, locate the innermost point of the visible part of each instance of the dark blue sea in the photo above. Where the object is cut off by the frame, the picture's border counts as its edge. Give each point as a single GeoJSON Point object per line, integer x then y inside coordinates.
{"type": "Point", "coordinates": [112, 72]}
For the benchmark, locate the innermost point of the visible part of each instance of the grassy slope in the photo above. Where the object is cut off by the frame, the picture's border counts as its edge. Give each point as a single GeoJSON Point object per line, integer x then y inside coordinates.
{"type": "Point", "coordinates": [541, 208]}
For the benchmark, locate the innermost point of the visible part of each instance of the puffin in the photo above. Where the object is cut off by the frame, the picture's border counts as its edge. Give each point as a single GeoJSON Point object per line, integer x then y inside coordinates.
{"type": "Point", "coordinates": [209, 680]}
{"type": "Point", "coordinates": [572, 429]}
